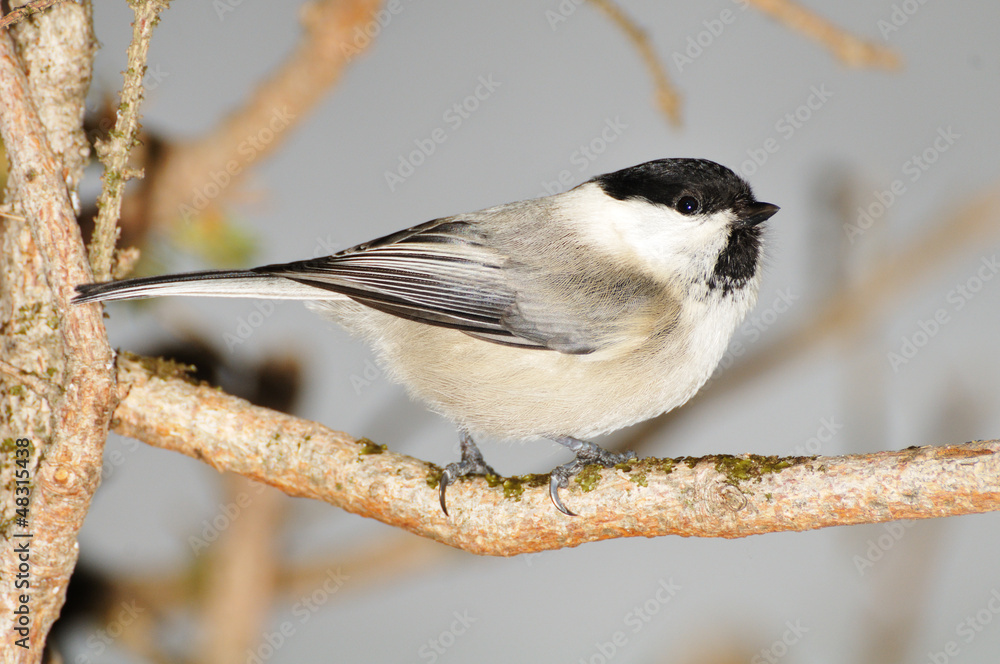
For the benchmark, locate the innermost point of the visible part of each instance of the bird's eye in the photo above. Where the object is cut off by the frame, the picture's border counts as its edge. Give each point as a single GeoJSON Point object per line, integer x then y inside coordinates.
{"type": "Point", "coordinates": [688, 205]}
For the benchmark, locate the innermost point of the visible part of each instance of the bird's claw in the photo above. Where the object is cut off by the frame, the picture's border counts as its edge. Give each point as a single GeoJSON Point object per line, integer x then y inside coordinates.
{"type": "Point", "coordinates": [472, 463]}
{"type": "Point", "coordinates": [587, 454]}
{"type": "Point", "coordinates": [559, 479]}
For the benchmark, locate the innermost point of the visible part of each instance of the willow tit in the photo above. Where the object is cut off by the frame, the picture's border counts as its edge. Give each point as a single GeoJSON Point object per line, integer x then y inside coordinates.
{"type": "Point", "coordinates": [562, 317]}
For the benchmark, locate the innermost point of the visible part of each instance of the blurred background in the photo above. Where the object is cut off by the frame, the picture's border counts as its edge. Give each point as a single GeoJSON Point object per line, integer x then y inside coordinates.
{"type": "Point", "coordinates": [876, 326]}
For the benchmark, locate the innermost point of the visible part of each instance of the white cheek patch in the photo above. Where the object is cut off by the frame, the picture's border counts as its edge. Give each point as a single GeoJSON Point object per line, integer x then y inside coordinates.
{"type": "Point", "coordinates": [670, 241]}
{"type": "Point", "coordinates": [601, 221]}
{"type": "Point", "coordinates": [660, 239]}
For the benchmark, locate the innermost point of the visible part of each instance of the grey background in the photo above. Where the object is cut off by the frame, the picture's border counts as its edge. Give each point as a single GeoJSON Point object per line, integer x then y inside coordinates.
{"type": "Point", "coordinates": [558, 87]}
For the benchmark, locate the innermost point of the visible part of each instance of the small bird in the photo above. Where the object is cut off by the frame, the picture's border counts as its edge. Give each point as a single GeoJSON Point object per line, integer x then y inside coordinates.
{"type": "Point", "coordinates": [563, 317]}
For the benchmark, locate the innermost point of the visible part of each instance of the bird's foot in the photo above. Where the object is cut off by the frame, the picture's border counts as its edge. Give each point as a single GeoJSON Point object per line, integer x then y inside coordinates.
{"type": "Point", "coordinates": [472, 463]}
{"type": "Point", "coordinates": [587, 453]}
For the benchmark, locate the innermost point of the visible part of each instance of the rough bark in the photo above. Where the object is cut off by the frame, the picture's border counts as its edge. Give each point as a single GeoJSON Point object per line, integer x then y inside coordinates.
{"type": "Point", "coordinates": [713, 496]}
{"type": "Point", "coordinates": [44, 73]}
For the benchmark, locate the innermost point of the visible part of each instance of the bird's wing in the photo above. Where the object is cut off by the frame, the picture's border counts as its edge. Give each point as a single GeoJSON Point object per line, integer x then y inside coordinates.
{"type": "Point", "coordinates": [438, 273]}
{"type": "Point", "coordinates": [447, 273]}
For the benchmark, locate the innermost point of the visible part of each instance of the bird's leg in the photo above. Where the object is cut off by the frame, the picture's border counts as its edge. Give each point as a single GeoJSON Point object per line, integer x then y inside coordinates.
{"type": "Point", "coordinates": [472, 463]}
{"type": "Point", "coordinates": [587, 453]}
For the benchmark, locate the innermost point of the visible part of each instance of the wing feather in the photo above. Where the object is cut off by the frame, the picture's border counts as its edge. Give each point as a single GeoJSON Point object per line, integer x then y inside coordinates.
{"type": "Point", "coordinates": [436, 273]}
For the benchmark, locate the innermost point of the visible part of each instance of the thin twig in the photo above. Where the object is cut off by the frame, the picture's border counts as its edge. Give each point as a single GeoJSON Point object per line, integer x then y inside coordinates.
{"type": "Point", "coordinates": [667, 98]}
{"type": "Point", "coordinates": [115, 152]}
{"type": "Point", "coordinates": [25, 11]}
{"type": "Point", "coordinates": [847, 48]}
{"type": "Point", "coordinates": [720, 496]}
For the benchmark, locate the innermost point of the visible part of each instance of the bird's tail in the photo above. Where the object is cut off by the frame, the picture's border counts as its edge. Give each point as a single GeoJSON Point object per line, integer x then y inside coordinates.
{"type": "Point", "coordinates": [209, 283]}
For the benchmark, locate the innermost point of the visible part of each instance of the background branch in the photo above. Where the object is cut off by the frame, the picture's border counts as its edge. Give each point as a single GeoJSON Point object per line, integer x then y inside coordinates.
{"type": "Point", "coordinates": [715, 496]}
{"type": "Point", "coordinates": [847, 48]}
{"type": "Point", "coordinates": [263, 123]}
{"type": "Point", "coordinates": [667, 97]}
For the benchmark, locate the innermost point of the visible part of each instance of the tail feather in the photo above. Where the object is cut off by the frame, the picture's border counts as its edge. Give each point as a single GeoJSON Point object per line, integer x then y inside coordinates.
{"type": "Point", "coordinates": [209, 283]}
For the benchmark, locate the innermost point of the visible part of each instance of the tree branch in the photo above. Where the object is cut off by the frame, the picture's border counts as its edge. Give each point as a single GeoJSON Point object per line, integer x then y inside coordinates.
{"type": "Point", "coordinates": [24, 12]}
{"type": "Point", "coordinates": [115, 152]}
{"type": "Point", "coordinates": [184, 180]}
{"type": "Point", "coordinates": [715, 496]}
{"type": "Point", "coordinates": [847, 48]}
{"type": "Point", "coordinates": [667, 97]}
{"type": "Point", "coordinates": [42, 84]}
{"type": "Point", "coordinates": [236, 612]}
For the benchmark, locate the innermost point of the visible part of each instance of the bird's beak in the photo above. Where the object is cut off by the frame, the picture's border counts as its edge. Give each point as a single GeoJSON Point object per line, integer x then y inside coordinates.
{"type": "Point", "coordinates": [758, 213]}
